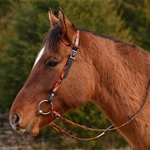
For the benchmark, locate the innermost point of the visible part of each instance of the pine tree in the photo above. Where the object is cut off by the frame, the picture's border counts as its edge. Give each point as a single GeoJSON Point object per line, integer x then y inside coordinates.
{"type": "Point", "coordinates": [136, 14]}
{"type": "Point", "coordinates": [98, 16]}
{"type": "Point", "coordinates": [6, 16]}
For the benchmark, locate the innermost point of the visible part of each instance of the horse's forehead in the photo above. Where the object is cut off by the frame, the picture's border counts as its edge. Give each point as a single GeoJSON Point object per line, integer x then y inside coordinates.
{"type": "Point", "coordinates": [40, 54]}
{"type": "Point", "coordinates": [46, 52]}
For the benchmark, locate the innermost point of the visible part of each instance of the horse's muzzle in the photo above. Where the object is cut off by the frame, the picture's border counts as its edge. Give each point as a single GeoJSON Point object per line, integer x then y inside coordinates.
{"type": "Point", "coordinates": [14, 121]}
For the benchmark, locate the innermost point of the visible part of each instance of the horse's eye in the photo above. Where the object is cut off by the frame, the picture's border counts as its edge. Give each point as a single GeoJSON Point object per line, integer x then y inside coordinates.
{"type": "Point", "coordinates": [51, 63]}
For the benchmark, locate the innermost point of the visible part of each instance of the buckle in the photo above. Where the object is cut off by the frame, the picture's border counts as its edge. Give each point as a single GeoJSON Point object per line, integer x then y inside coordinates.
{"type": "Point", "coordinates": [73, 54]}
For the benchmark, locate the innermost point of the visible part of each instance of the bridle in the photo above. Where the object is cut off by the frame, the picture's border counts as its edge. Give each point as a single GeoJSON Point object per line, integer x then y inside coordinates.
{"type": "Point", "coordinates": [63, 75]}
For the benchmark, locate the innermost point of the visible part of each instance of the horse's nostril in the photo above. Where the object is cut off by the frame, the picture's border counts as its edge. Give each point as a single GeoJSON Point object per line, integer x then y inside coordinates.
{"type": "Point", "coordinates": [15, 120]}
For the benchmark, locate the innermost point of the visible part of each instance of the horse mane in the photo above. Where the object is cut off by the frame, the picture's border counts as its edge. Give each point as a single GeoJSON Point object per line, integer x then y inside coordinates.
{"type": "Point", "coordinates": [106, 37]}
{"type": "Point", "coordinates": [51, 39]}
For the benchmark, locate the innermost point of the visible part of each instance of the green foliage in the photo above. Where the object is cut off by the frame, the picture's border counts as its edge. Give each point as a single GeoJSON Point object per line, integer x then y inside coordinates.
{"type": "Point", "coordinates": [23, 25]}
{"type": "Point", "coordinates": [98, 16]}
{"type": "Point", "coordinates": [5, 30]}
{"type": "Point", "coordinates": [24, 39]}
{"type": "Point", "coordinates": [136, 14]}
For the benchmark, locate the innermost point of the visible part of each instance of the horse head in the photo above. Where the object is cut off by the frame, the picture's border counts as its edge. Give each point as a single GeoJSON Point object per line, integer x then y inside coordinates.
{"type": "Point", "coordinates": [75, 90]}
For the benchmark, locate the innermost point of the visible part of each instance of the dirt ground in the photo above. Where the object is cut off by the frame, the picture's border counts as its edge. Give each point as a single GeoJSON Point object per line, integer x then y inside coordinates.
{"type": "Point", "coordinates": [10, 140]}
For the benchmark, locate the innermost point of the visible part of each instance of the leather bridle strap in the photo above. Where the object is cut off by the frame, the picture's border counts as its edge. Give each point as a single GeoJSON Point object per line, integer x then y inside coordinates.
{"type": "Point", "coordinates": [74, 137]}
{"type": "Point", "coordinates": [68, 65]}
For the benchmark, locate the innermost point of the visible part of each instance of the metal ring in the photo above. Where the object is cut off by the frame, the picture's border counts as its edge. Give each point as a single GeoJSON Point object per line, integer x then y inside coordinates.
{"type": "Point", "coordinates": [40, 111]}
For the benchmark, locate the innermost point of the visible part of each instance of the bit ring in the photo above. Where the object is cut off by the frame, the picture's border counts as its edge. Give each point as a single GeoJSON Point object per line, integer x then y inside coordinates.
{"type": "Point", "coordinates": [39, 109]}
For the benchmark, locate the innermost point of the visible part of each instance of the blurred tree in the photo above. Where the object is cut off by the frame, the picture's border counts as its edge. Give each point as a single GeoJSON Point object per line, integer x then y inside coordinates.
{"type": "Point", "coordinates": [22, 41]}
{"type": "Point", "coordinates": [137, 16]}
{"type": "Point", "coordinates": [6, 16]}
{"type": "Point", "coordinates": [98, 16]}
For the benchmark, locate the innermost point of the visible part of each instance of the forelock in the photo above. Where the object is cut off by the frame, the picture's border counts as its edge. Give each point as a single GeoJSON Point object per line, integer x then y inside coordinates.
{"type": "Point", "coordinates": [52, 38]}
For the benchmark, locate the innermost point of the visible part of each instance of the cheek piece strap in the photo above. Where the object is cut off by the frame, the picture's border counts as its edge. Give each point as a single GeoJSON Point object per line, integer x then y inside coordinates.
{"type": "Point", "coordinates": [68, 65]}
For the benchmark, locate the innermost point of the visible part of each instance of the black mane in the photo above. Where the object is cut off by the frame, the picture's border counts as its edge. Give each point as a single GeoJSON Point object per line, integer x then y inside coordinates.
{"type": "Point", "coordinates": [106, 37]}
{"type": "Point", "coordinates": [52, 38]}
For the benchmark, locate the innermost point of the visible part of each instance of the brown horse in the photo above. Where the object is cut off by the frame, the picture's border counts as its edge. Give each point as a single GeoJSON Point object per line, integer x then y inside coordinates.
{"type": "Point", "coordinates": [113, 74]}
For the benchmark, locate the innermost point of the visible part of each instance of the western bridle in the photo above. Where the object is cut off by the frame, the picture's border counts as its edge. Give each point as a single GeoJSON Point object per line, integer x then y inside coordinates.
{"type": "Point", "coordinates": [65, 71]}
{"type": "Point", "coordinates": [63, 75]}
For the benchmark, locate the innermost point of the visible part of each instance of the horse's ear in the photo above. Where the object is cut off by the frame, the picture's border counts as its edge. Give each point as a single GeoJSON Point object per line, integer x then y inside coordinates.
{"type": "Point", "coordinates": [52, 18]}
{"type": "Point", "coordinates": [67, 28]}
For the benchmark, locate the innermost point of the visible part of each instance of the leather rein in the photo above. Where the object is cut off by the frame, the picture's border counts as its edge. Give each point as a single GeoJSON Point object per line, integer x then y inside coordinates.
{"type": "Point", "coordinates": [52, 111]}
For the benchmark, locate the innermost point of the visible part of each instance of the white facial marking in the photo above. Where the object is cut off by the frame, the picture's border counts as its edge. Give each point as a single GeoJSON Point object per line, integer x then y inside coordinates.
{"type": "Point", "coordinates": [39, 56]}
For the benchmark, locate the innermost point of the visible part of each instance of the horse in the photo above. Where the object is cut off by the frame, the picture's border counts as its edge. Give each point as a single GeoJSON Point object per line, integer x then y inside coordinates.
{"type": "Point", "coordinates": [113, 74]}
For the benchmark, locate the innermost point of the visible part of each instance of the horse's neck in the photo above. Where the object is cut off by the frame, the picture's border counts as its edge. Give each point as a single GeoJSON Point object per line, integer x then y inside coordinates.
{"type": "Point", "coordinates": [121, 75]}
{"type": "Point", "coordinates": [119, 89]}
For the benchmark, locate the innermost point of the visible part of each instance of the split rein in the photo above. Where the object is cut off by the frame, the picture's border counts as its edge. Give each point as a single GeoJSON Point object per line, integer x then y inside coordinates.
{"type": "Point", "coordinates": [63, 75]}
